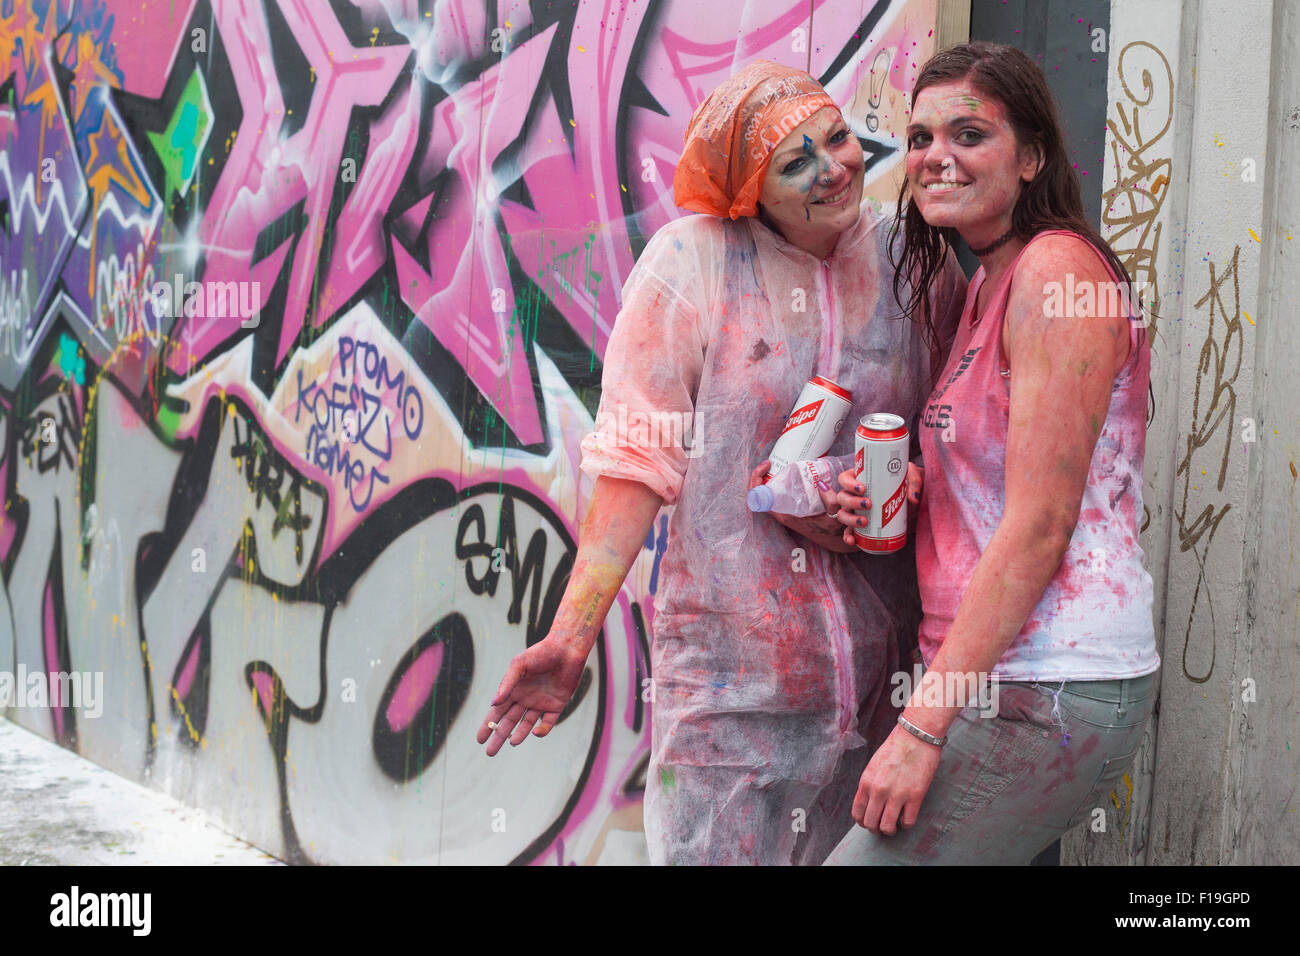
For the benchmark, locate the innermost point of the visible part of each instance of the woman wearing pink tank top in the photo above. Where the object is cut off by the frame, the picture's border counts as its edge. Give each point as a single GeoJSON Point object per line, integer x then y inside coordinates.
{"type": "Point", "coordinates": [1037, 633]}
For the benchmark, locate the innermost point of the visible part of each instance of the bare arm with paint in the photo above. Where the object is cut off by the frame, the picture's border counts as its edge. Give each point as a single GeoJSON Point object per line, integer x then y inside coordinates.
{"type": "Point", "coordinates": [1063, 372]}
{"type": "Point", "coordinates": [652, 367]}
{"type": "Point", "coordinates": [541, 680]}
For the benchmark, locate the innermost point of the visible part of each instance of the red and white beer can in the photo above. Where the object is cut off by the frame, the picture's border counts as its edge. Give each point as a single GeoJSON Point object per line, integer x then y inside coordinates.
{"type": "Point", "coordinates": [880, 453]}
{"type": "Point", "coordinates": [817, 418]}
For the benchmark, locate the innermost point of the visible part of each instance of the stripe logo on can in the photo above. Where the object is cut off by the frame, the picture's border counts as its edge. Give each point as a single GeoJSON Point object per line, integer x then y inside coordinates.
{"type": "Point", "coordinates": [801, 416]}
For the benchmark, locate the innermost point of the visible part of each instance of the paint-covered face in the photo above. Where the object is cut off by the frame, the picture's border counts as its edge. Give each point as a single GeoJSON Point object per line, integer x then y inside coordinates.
{"type": "Point", "coordinates": [814, 183]}
{"type": "Point", "coordinates": [964, 165]}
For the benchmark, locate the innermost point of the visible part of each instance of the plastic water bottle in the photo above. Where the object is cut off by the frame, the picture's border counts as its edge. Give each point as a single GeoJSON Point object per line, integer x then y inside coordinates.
{"type": "Point", "coordinates": [792, 490]}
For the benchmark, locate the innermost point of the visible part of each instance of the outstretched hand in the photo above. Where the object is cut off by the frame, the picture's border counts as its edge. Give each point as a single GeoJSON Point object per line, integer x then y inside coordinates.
{"type": "Point", "coordinates": [537, 687]}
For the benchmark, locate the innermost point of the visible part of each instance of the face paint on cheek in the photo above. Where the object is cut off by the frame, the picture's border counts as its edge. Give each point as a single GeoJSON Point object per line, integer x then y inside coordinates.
{"type": "Point", "coordinates": [802, 178]}
{"type": "Point", "coordinates": [811, 178]}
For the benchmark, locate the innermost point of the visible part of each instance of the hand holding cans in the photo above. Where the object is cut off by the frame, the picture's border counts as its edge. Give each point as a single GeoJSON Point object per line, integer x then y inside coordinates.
{"type": "Point", "coordinates": [880, 453]}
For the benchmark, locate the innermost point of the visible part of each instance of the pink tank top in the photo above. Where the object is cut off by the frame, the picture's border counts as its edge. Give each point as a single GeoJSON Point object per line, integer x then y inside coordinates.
{"type": "Point", "coordinates": [1094, 619]}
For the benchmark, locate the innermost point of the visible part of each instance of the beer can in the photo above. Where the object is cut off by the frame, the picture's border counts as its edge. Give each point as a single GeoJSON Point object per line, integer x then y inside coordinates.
{"type": "Point", "coordinates": [810, 429]}
{"type": "Point", "coordinates": [880, 453]}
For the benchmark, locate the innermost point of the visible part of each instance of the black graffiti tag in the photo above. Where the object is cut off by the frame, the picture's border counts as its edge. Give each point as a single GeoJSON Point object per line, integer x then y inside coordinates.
{"type": "Point", "coordinates": [526, 570]}
{"type": "Point", "coordinates": [264, 472]}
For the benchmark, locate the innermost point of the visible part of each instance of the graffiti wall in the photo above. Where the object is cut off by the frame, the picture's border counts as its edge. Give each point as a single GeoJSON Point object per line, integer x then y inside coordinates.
{"type": "Point", "coordinates": [302, 311]}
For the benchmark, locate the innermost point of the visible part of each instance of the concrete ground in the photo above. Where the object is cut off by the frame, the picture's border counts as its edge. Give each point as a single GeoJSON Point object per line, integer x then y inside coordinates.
{"type": "Point", "coordinates": [57, 808]}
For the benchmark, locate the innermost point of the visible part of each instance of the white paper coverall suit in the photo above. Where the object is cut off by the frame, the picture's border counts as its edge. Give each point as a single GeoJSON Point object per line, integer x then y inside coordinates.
{"type": "Point", "coordinates": [771, 657]}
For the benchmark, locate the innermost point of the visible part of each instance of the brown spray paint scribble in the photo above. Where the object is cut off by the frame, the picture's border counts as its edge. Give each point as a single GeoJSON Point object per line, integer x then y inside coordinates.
{"type": "Point", "coordinates": [1214, 407]}
{"type": "Point", "coordinates": [1131, 208]}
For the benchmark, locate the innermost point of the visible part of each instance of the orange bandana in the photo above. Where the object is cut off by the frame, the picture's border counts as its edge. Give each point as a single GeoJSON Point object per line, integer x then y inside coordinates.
{"type": "Point", "coordinates": [734, 132]}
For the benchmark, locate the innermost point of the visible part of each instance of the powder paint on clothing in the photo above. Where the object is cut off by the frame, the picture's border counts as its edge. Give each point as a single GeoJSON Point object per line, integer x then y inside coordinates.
{"type": "Point", "coordinates": [1065, 762]}
{"type": "Point", "coordinates": [1092, 622]}
{"type": "Point", "coordinates": [803, 656]}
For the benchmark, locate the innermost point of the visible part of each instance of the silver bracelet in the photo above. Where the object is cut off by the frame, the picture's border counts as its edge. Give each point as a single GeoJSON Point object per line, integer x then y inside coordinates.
{"type": "Point", "coordinates": [916, 731]}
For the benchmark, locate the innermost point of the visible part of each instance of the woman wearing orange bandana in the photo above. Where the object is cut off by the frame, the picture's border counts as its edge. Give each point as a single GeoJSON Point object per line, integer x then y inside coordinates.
{"type": "Point", "coordinates": [771, 659]}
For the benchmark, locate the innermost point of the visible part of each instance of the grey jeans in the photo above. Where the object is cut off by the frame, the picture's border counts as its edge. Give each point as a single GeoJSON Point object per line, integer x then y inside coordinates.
{"type": "Point", "coordinates": [1009, 785]}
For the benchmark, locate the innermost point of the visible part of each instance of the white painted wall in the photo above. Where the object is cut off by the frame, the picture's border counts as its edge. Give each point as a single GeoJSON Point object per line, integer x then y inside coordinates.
{"type": "Point", "coordinates": [1206, 207]}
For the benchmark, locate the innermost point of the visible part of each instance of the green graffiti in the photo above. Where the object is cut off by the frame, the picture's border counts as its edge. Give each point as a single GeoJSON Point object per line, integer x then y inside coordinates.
{"type": "Point", "coordinates": [169, 422]}
{"type": "Point", "coordinates": [181, 143]}
{"type": "Point", "coordinates": [562, 275]}
{"type": "Point", "coordinates": [71, 362]}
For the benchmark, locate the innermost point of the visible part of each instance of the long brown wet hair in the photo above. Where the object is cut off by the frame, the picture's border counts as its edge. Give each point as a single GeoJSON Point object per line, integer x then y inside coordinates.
{"type": "Point", "coordinates": [1051, 200]}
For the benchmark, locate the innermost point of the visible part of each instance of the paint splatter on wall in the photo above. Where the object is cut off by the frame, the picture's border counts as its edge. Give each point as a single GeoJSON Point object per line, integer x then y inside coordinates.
{"type": "Point", "coordinates": [302, 311]}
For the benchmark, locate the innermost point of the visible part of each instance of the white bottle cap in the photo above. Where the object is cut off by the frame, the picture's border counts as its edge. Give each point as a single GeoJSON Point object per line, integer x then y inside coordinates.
{"type": "Point", "coordinates": [760, 498]}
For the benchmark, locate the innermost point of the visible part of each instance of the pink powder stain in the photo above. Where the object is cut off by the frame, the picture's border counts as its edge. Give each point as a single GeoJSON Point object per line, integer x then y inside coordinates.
{"type": "Point", "coordinates": [414, 688]}
{"type": "Point", "coordinates": [1089, 745]}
